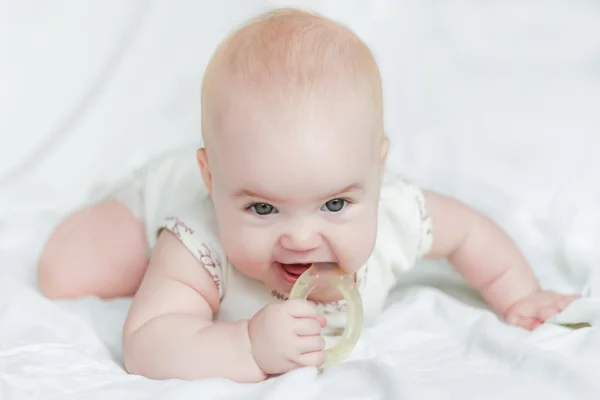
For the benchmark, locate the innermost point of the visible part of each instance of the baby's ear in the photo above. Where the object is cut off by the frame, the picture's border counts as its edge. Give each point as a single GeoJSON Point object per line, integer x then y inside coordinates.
{"type": "Point", "coordinates": [204, 168]}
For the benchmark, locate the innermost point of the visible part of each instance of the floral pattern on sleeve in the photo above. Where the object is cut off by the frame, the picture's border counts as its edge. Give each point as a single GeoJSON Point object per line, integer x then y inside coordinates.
{"type": "Point", "coordinates": [206, 256]}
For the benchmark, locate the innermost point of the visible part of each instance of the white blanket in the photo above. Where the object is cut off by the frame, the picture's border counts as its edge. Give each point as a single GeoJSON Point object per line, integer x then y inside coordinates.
{"type": "Point", "coordinates": [493, 102]}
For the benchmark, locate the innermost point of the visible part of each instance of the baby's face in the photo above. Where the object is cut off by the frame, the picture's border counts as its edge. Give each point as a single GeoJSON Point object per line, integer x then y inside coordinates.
{"type": "Point", "coordinates": [290, 191]}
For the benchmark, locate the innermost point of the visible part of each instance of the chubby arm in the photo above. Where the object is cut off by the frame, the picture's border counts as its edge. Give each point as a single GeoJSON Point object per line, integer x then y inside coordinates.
{"type": "Point", "coordinates": [169, 332]}
{"type": "Point", "coordinates": [481, 252]}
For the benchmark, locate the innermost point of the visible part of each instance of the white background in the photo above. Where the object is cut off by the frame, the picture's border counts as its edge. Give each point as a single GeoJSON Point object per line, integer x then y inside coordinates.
{"type": "Point", "coordinates": [495, 102]}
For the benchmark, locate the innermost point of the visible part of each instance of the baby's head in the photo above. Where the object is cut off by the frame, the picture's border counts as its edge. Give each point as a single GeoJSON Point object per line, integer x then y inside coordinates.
{"type": "Point", "coordinates": [294, 145]}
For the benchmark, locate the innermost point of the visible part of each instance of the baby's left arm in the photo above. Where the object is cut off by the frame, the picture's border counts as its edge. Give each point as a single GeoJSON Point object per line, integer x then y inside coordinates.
{"type": "Point", "coordinates": [490, 262]}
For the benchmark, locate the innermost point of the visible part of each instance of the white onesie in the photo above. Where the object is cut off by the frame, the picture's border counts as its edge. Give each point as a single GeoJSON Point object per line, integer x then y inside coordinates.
{"type": "Point", "coordinates": [170, 194]}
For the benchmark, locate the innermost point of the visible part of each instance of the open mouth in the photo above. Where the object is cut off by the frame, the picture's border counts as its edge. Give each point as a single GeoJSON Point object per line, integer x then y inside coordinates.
{"type": "Point", "coordinates": [291, 272]}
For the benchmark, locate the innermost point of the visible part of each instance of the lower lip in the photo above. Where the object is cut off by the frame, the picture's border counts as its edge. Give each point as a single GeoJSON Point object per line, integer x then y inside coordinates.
{"type": "Point", "coordinates": [287, 276]}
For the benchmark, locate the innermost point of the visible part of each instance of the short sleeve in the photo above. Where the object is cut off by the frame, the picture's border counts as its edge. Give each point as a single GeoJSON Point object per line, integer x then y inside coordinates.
{"type": "Point", "coordinates": [196, 229]}
{"type": "Point", "coordinates": [405, 229]}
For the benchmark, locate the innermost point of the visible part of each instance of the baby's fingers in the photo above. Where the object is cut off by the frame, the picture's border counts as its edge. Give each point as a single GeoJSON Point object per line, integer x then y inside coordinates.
{"type": "Point", "coordinates": [547, 312]}
{"type": "Point", "coordinates": [307, 326]}
{"type": "Point", "coordinates": [321, 320]}
{"type": "Point", "coordinates": [557, 305]}
{"type": "Point", "coordinates": [524, 309]}
{"type": "Point", "coordinates": [529, 323]}
{"type": "Point", "coordinates": [309, 344]}
{"type": "Point", "coordinates": [565, 301]}
{"type": "Point", "coordinates": [299, 308]}
{"type": "Point", "coordinates": [314, 359]}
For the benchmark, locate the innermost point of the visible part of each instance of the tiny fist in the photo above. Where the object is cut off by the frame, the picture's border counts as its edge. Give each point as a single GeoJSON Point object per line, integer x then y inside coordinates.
{"type": "Point", "coordinates": [535, 309]}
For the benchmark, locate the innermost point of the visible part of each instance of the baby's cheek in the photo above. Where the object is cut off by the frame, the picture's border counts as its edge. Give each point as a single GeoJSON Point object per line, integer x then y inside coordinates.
{"type": "Point", "coordinates": [247, 250]}
{"type": "Point", "coordinates": [356, 243]}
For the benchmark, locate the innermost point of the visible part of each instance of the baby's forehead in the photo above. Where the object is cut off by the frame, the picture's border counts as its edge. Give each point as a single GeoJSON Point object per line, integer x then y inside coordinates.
{"type": "Point", "coordinates": [302, 145]}
{"type": "Point", "coordinates": [310, 125]}
{"type": "Point", "coordinates": [300, 167]}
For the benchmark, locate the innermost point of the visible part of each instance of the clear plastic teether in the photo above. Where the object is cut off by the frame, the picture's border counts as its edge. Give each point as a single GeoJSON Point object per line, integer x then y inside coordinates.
{"type": "Point", "coordinates": [332, 274]}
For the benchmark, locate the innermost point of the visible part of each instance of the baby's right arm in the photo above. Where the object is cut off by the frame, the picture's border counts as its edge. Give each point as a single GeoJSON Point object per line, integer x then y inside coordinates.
{"type": "Point", "coordinates": [169, 332]}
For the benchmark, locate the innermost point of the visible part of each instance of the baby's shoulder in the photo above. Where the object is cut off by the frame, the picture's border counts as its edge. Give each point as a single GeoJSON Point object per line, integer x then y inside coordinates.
{"type": "Point", "coordinates": [404, 226]}
{"type": "Point", "coordinates": [196, 228]}
{"type": "Point", "coordinates": [394, 184]}
{"type": "Point", "coordinates": [401, 198]}
{"type": "Point", "coordinates": [198, 216]}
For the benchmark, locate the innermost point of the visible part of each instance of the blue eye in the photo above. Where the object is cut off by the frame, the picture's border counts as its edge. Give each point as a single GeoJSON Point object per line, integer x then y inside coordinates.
{"type": "Point", "coordinates": [262, 208]}
{"type": "Point", "coordinates": [335, 205]}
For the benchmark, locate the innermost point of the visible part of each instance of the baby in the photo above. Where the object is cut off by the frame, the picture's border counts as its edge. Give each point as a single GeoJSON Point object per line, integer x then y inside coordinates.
{"type": "Point", "coordinates": [292, 172]}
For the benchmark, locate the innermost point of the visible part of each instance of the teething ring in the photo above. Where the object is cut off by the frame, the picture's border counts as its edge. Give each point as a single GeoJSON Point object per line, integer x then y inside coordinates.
{"type": "Point", "coordinates": [330, 273]}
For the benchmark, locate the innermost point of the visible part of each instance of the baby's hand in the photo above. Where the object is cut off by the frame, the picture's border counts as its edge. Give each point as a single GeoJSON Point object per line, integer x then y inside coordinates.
{"type": "Point", "coordinates": [535, 309]}
{"type": "Point", "coordinates": [287, 336]}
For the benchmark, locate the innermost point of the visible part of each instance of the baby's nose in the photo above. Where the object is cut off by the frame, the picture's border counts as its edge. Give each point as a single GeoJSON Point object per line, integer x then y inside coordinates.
{"type": "Point", "coordinates": [301, 240]}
